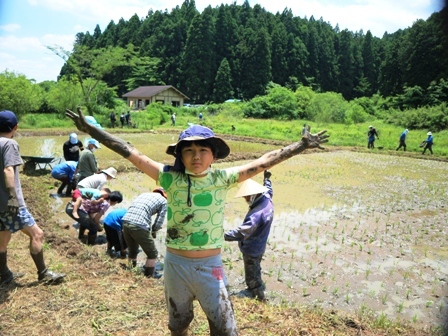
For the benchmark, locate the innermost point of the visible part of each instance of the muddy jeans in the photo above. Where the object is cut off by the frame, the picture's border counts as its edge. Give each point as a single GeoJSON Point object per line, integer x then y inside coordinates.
{"type": "Point", "coordinates": [252, 270]}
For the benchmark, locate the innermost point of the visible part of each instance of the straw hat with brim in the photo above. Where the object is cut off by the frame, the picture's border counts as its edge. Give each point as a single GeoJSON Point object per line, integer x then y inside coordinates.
{"type": "Point", "coordinates": [197, 133]}
{"type": "Point", "coordinates": [112, 172]}
{"type": "Point", "coordinates": [250, 187]}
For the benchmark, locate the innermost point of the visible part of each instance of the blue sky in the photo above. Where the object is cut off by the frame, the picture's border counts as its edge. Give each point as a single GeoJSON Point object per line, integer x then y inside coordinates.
{"type": "Point", "coordinates": [27, 26]}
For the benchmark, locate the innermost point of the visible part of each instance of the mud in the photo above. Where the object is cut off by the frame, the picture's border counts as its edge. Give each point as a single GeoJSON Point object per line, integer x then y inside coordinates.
{"type": "Point", "coordinates": [352, 231]}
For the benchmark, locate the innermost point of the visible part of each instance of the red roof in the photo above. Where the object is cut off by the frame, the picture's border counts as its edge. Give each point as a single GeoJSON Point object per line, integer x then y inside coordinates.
{"type": "Point", "coordinates": [149, 91]}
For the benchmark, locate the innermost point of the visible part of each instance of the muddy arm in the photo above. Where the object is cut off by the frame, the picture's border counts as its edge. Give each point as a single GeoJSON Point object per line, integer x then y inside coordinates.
{"type": "Point", "coordinates": [119, 146]}
{"type": "Point", "coordinates": [273, 158]}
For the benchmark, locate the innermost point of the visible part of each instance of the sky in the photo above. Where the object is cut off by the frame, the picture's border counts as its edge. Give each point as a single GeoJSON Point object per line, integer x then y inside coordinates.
{"type": "Point", "coordinates": [27, 27]}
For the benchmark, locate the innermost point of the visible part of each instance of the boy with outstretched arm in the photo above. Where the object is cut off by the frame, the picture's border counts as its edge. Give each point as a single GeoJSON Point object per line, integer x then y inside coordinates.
{"type": "Point", "coordinates": [196, 199]}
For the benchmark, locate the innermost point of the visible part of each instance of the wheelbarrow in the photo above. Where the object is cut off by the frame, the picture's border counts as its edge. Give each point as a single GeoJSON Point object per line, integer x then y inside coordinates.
{"type": "Point", "coordinates": [33, 163]}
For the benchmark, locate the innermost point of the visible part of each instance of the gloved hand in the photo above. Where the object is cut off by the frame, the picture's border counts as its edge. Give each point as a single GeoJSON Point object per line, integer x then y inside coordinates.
{"type": "Point", "coordinates": [267, 174]}
{"type": "Point", "coordinates": [154, 234]}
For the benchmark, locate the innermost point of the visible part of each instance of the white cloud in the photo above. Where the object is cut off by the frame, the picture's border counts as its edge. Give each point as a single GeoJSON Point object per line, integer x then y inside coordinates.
{"type": "Point", "coordinates": [13, 43]}
{"type": "Point", "coordinates": [10, 28]}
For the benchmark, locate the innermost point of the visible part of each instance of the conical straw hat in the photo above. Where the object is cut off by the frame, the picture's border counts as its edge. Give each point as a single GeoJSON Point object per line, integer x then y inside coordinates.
{"type": "Point", "coordinates": [250, 187]}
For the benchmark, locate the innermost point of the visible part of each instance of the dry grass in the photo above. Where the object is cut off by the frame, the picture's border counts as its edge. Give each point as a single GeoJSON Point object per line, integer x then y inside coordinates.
{"type": "Point", "coordinates": [99, 297]}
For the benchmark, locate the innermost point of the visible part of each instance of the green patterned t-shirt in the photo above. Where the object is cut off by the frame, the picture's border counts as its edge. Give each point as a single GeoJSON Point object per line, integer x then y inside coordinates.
{"type": "Point", "coordinates": [199, 227]}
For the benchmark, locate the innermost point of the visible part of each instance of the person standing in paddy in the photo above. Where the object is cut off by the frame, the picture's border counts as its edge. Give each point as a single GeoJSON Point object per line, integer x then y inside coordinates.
{"type": "Point", "coordinates": [252, 235]}
{"type": "Point", "coordinates": [72, 147]}
{"type": "Point", "coordinates": [196, 196]}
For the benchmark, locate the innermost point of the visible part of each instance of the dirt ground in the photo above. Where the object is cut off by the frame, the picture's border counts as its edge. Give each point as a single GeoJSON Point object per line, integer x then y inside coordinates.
{"type": "Point", "coordinates": [352, 232]}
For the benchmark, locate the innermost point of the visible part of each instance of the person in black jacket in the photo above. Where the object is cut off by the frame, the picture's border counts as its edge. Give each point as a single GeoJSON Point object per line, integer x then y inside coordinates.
{"type": "Point", "coordinates": [72, 147]}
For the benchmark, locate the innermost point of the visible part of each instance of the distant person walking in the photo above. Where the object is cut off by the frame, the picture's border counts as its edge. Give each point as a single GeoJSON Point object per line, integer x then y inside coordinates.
{"type": "Point", "coordinates": [403, 140]}
{"type": "Point", "coordinates": [200, 116]}
{"type": "Point", "coordinates": [128, 118]}
{"type": "Point", "coordinates": [173, 119]}
{"type": "Point", "coordinates": [428, 143]}
{"type": "Point", "coordinates": [304, 130]}
{"type": "Point", "coordinates": [72, 147]}
{"type": "Point", "coordinates": [122, 119]}
{"type": "Point", "coordinates": [371, 135]}
{"type": "Point", "coordinates": [113, 119]}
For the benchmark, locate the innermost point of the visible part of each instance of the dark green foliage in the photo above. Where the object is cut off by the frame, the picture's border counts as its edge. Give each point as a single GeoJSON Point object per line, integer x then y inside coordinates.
{"type": "Point", "coordinates": [279, 103]}
{"type": "Point", "coordinates": [433, 118]}
{"type": "Point", "coordinates": [223, 83]}
{"type": "Point", "coordinates": [186, 48]}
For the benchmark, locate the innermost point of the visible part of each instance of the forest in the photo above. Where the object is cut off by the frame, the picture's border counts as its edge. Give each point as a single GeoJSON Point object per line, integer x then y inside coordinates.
{"type": "Point", "coordinates": [276, 64]}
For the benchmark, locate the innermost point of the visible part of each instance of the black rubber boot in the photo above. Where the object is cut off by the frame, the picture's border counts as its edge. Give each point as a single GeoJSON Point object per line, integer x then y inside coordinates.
{"type": "Point", "coordinates": [149, 272]}
{"type": "Point", "coordinates": [81, 232]}
{"type": "Point", "coordinates": [39, 261]}
{"type": "Point", "coordinates": [91, 239]}
{"type": "Point", "coordinates": [3, 263]}
{"type": "Point", "coordinates": [61, 188]}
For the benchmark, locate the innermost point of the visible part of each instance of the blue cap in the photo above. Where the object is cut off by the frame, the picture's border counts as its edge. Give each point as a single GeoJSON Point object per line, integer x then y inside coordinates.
{"type": "Point", "coordinates": [8, 121]}
{"type": "Point", "coordinates": [94, 142]}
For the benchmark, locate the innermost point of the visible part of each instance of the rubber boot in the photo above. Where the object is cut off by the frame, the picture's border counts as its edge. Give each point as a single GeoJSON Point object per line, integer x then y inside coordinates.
{"type": "Point", "coordinates": [183, 332]}
{"type": "Point", "coordinates": [39, 261]}
{"type": "Point", "coordinates": [61, 188]}
{"type": "Point", "coordinates": [68, 192]}
{"type": "Point", "coordinates": [149, 272]}
{"type": "Point", "coordinates": [91, 239]}
{"type": "Point", "coordinates": [3, 264]}
{"type": "Point", "coordinates": [81, 232]}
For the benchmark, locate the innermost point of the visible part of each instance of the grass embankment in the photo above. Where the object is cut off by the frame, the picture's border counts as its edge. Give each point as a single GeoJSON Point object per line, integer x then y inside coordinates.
{"type": "Point", "coordinates": [99, 297]}
{"type": "Point", "coordinates": [353, 136]}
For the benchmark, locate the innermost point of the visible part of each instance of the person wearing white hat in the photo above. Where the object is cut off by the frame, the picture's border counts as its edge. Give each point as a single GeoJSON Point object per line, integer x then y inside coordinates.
{"type": "Point", "coordinates": [428, 143]}
{"type": "Point", "coordinates": [403, 140]}
{"type": "Point", "coordinates": [252, 235]}
{"type": "Point", "coordinates": [87, 164]}
{"type": "Point", "coordinates": [97, 181]}
{"type": "Point", "coordinates": [72, 147]}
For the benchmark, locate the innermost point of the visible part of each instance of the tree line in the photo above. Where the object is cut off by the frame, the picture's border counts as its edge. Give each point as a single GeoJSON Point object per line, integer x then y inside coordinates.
{"type": "Point", "coordinates": [234, 51]}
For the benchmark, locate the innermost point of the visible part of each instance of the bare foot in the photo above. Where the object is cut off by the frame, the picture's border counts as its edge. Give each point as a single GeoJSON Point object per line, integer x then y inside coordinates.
{"type": "Point", "coordinates": [75, 215]}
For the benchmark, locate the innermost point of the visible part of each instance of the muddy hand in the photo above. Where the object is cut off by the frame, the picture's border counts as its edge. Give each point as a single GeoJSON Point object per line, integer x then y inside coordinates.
{"type": "Point", "coordinates": [79, 120]}
{"type": "Point", "coordinates": [315, 140]}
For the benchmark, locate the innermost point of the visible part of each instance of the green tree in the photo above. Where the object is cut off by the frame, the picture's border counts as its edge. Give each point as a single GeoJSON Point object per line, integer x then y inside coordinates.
{"type": "Point", "coordinates": [19, 94]}
{"type": "Point", "coordinates": [255, 57]}
{"type": "Point", "coordinates": [66, 94]}
{"type": "Point", "coordinates": [199, 63]}
{"type": "Point", "coordinates": [223, 83]}
{"type": "Point", "coordinates": [94, 64]}
{"type": "Point", "coordinates": [369, 65]}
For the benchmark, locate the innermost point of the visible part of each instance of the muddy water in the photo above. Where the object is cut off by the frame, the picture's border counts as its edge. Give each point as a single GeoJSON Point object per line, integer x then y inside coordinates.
{"type": "Point", "coordinates": [352, 231]}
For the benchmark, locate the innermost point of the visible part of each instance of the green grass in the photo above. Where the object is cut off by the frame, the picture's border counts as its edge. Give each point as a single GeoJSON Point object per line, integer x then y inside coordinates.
{"type": "Point", "coordinates": [354, 135]}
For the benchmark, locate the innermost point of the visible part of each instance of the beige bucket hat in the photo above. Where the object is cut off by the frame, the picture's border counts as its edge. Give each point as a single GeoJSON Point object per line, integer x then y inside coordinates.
{"type": "Point", "coordinates": [112, 172]}
{"type": "Point", "coordinates": [250, 187]}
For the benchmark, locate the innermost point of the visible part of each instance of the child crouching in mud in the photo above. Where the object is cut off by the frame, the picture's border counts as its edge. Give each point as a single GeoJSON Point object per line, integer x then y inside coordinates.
{"type": "Point", "coordinates": [196, 199]}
